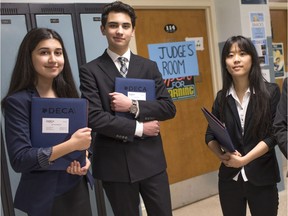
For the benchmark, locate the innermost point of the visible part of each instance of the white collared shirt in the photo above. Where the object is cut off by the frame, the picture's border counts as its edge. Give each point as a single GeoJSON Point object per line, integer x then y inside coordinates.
{"type": "Point", "coordinates": [242, 109]}
{"type": "Point", "coordinates": [139, 125]}
{"type": "Point", "coordinates": [115, 57]}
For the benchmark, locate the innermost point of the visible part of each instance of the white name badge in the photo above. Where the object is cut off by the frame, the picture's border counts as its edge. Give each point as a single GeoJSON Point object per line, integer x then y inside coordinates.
{"type": "Point", "coordinates": [55, 125]}
{"type": "Point", "coordinates": [137, 95]}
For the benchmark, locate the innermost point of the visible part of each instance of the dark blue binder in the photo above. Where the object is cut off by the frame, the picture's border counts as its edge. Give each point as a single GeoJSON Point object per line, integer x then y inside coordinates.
{"type": "Point", "coordinates": [53, 121]}
{"type": "Point", "coordinates": [136, 89]}
{"type": "Point", "coordinates": [219, 131]}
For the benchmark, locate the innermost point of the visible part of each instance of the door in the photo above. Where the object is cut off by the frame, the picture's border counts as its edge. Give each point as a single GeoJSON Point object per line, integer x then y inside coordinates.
{"type": "Point", "coordinates": [184, 136]}
{"type": "Point", "coordinates": [279, 34]}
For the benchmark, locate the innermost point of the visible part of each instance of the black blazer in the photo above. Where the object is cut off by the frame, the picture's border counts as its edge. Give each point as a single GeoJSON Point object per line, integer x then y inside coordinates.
{"type": "Point", "coordinates": [263, 170]}
{"type": "Point", "coordinates": [118, 155]}
{"type": "Point", "coordinates": [280, 121]}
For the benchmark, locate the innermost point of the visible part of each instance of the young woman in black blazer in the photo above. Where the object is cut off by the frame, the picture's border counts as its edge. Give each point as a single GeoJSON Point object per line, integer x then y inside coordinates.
{"type": "Point", "coordinates": [246, 105]}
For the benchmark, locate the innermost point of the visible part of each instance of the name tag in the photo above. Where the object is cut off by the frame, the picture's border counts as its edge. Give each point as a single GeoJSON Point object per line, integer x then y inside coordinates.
{"type": "Point", "coordinates": [55, 125]}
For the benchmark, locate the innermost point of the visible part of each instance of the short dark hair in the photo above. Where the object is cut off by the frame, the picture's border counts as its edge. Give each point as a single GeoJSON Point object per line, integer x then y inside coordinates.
{"type": "Point", "coordinates": [120, 7]}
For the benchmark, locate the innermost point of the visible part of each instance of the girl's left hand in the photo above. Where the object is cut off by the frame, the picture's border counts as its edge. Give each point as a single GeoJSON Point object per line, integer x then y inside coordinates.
{"type": "Point", "coordinates": [76, 169]}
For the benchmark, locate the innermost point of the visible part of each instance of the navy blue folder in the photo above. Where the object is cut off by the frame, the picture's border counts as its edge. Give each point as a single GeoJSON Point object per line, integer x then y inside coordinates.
{"type": "Point", "coordinates": [53, 121]}
{"type": "Point", "coordinates": [137, 89]}
{"type": "Point", "coordinates": [219, 130]}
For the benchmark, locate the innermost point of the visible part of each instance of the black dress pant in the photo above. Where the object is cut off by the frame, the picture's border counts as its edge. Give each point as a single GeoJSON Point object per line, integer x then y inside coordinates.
{"type": "Point", "coordinates": [75, 202]}
{"type": "Point", "coordinates": [235, 195]}
{"type": "Point", "coordinates": [155, 192]}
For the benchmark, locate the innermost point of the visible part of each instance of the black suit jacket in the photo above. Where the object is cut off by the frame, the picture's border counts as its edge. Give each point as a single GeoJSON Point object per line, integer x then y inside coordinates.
{"type": "Point", "coordinates": [263, 170]}
{"type": "Point", "coordinates": [118, 155]}
{"type": "Point", "coordinates": [280, 121]}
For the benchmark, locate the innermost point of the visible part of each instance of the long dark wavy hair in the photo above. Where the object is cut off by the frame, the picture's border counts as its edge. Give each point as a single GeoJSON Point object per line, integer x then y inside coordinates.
{"type": "Point", "coordinates": [261, 109]}
{"type": "Point", "coordinates": [24, 75]}
{"type": "Point", "coordinates": [118, 7]}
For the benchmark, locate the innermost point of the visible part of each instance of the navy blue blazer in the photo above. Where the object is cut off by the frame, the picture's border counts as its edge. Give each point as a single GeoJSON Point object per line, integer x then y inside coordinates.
{"type": "Point", "coordinates": [118, 155]}
{"type": "Point", "coordinates": [263, 170]}
{"type": "Point", "coordinates": [36, 189]}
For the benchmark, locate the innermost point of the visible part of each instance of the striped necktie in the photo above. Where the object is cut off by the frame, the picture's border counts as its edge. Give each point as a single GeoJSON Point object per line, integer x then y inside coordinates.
{"type": "Point", "coordinates": [123, 68]}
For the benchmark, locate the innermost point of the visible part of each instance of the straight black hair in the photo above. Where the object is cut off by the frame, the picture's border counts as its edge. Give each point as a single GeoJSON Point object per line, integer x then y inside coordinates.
{"type": "Point", "coordinates": [261, 109]}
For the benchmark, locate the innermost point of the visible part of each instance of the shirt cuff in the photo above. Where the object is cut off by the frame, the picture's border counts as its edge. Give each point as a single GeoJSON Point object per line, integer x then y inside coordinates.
{"type": "Point", "coordinates": [43, 155]}
{"type": "Point", "coordinates": [139, 129]}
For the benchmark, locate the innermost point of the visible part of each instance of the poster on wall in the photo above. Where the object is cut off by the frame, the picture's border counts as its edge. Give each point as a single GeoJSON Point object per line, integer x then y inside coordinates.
{"type": "Point", "coordinates": [278, 59]}
{"type": "Point", "coordinates": [261, 48]}
{"type": "Point", "coordinates": [177, 62]}
{"type": "Point", "coordinates": [181, 88]}
{"type": "Point", "coordinates": [258, 36]}
{"type": "Point", "coordinates": [175, 59]}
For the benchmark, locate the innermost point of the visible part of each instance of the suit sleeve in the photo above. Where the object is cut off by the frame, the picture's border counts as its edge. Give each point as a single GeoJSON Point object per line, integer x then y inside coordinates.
{"type": "Point", "coordinates": [274, 99]}
{"type": "Point", "coordinates": [96, 88]}
{"type": "Point", "coordinates": [163, 108]}
{"type": "Point", "coordinates": [23, 157]}
{"type": "Point", "coordinates": [280, 121]}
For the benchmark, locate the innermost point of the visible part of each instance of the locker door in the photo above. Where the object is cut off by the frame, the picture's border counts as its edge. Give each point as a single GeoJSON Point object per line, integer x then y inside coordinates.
{"type": "Point", "coordinates": [88, 18]}
{"type": "Point", "coordinates": [14, 25]}
{"type": "Point", "coordinates": [60, 17]}
{"type": "Point", "coordinates": [13, 30]}
{"type": "Point", "coordinates": [94, 42]}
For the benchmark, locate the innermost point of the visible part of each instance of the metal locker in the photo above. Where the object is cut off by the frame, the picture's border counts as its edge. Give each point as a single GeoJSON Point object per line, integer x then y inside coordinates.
{"type": "Point", "coordinates": [15, 22]}
{"type": "Point", "coordinates": [89, 21]}
{"type": "Point", "coordinates": [94, 42]}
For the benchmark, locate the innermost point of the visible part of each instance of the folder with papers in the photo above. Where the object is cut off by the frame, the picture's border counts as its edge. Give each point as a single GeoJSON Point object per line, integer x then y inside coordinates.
{"type": "Point", "coordinates": [53, 121]}
{"type": "Point", "coordinates": [135, 89]}
{"type": "Point", "coordinates": [219, 130]}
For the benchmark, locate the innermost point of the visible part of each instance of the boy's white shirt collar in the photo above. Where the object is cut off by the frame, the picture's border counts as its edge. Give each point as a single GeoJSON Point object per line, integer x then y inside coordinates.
{"type": "Point", "coordinates": [115, 56]}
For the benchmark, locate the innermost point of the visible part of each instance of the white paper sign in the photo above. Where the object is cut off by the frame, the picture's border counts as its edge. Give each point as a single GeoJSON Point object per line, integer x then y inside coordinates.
{"type": "Point", "coordinates": [137, 95]}
{"type": "Point", "coordinates": [55, 125]}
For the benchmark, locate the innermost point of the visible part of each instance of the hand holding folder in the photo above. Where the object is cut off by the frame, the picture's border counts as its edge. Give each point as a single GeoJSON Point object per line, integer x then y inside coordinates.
{"type": "Point", "coordinates": [135, 89]}
{"type": "Point", "coordinates": [53, 121]}
{"type": "Point", "coordinates": [219, 130]}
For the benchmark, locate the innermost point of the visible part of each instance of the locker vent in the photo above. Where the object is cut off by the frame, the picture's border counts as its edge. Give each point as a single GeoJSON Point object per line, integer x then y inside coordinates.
{"type": "Point", "coordinates": [91, 9]}
{"type": "Point", "coordinates": [52, 10]}
{"type": "Point", "coordinates": [9, 11]}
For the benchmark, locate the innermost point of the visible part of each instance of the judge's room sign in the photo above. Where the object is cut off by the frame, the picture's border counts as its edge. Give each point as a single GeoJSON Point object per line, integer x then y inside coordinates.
{"type": "Point", "coordinates": [177, 62]}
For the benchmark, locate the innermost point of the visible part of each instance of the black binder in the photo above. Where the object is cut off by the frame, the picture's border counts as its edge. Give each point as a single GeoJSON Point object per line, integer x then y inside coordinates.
{"type": "Point", "coordinates": [219, 131]}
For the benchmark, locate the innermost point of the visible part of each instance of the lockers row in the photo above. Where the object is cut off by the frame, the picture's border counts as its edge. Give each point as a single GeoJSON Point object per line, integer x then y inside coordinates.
{"type": "Point", "coordinates": [79, 27]}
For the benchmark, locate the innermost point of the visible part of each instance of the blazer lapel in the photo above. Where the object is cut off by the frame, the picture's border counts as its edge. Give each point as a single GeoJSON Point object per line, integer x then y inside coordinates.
{"type": "Point", "coordinates": [249, 113]}
{"type": "Point", "coordinates": [234, 111]}
{"type": "Point", "coordinates": [108, 67]}
{"type": "Point", "coordinates": [135, 66]}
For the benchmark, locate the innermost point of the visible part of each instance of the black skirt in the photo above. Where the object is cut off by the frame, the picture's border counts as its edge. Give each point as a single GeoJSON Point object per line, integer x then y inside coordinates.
{"type": "Point", "coordinates": [75, 202]}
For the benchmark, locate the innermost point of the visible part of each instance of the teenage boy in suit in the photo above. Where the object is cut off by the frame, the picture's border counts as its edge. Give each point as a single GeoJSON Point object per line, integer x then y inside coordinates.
{"type": "Point", "coordinates": [128, 153]}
